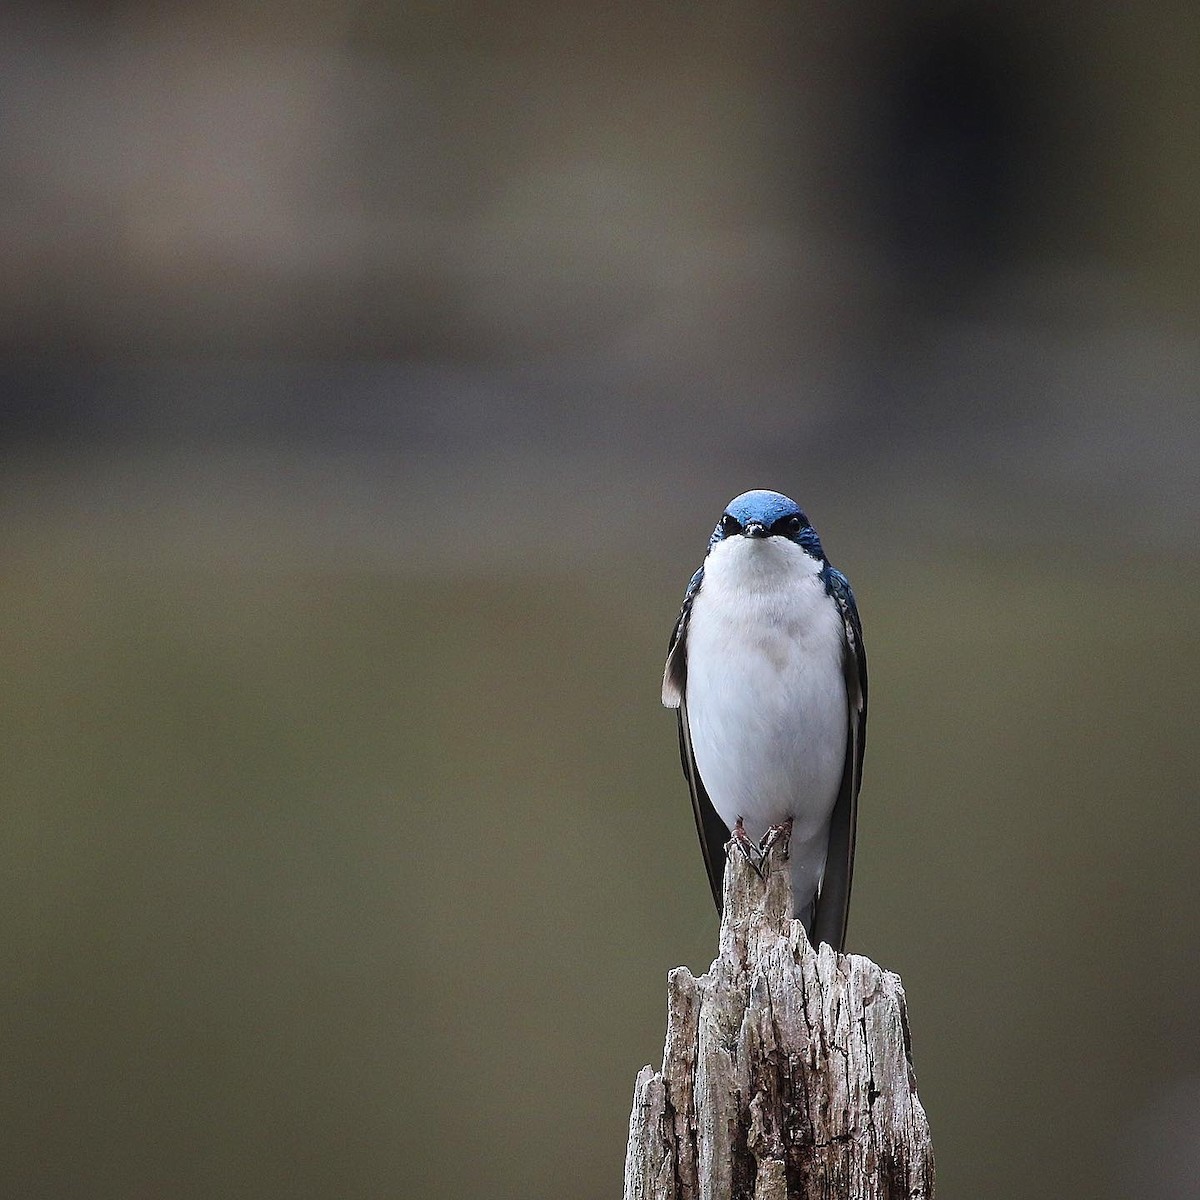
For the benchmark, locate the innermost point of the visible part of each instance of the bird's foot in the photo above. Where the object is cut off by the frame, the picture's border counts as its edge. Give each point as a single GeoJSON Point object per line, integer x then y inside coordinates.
{"type": "Point", "coordinates": [756, 853]}
{"type": "Point", "coordinates": [746, 844]}
{"type": "Point", "coordinates": [781, 832]}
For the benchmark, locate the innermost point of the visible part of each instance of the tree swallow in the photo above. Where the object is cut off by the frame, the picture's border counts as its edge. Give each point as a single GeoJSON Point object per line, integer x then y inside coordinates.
{"type": "Point", "coordinates": [767, 670]}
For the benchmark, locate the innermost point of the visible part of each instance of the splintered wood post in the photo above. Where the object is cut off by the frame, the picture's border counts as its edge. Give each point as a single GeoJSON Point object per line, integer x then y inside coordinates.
{"type": "Point", "coordinates": [787, 1072]}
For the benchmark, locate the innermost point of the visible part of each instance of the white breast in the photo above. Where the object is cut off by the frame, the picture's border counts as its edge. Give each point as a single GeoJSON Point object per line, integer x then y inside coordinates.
{"type": "Point", "coordinates": [766, 697]}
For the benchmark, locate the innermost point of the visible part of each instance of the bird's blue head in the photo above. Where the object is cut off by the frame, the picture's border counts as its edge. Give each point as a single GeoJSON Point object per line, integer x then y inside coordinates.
{"type": "Point", "coordinates": [762, 514]}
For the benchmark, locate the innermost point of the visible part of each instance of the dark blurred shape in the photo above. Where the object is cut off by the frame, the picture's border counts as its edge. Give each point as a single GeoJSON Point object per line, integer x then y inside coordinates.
{"type": "Point", "coordinates": [959, 149]}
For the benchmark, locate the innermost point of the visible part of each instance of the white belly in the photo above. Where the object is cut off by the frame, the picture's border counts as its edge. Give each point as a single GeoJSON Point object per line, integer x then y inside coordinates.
{"type": "Point", "coordinates": [766, 696]}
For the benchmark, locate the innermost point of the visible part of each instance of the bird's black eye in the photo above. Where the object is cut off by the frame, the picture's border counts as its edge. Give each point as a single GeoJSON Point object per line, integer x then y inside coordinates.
{"type": "Point", "coordinates": [788, 526]}
{"type": "Point", "coordinates": [730, 525]}
{"type": "Point", "coordinates": [794, 525]}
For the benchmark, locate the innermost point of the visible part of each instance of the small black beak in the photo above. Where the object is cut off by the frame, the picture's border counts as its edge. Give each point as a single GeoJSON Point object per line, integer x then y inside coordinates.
{"type": "Point", "coordinates": [755, 529]}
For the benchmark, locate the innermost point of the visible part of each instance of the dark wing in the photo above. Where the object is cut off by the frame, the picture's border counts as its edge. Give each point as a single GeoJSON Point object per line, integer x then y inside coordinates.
{"type": "Point", "coordinates": [833, 902]}
{"type": "Point", "coordinates": [714, 833]}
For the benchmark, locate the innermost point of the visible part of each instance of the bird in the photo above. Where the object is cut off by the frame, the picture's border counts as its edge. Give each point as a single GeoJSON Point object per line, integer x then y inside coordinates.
{"type": "Point", "coordinates": [767, 671]}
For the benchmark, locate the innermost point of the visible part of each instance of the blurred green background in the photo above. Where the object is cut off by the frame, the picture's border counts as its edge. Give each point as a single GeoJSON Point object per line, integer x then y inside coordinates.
{"type": "Point", "coordinates": [371, 379]}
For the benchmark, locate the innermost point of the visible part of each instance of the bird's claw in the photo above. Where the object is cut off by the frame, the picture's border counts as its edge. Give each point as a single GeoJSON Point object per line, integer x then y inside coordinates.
{"type": "Point", "coordinates": [745, 843]}
{"type": "Point", "coordinates": [781, 832]}
{"type": "Point", "coordinates": [756, 853]}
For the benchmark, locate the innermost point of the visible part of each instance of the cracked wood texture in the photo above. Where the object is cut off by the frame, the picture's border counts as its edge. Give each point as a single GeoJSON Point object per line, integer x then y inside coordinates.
{"type": "Point", "coordinates": [787, 1072]}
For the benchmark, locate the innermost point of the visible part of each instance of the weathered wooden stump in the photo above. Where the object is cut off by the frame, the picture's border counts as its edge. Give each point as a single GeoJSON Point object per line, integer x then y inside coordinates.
{"type": "Point", "coordinates": [787, 1072]}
